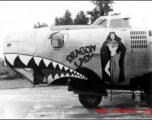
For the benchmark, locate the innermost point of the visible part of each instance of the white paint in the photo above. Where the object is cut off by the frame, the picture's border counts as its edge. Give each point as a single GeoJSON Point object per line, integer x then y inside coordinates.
{"type": "Point", "coordinates": [71, 70]}
{"type": "Point", "coordinates": [67, 75]}
{"type": "Point", "coordinates": [37, 60]}
{"type": "Point", "coordinates": [66, 68]}
{"type": "Point", "coordinates": [47, 62]}
{"type": "Point", "coordinates": [54, 64]}
{"type": "Point", "coordinates": [60, 66]}
{"type": "Point", "coordinates": [25, 59]}
{"type": "Point", "coordinates": [50, 79]}
{"type": "Point", "coordinates": [56, 76]}
{"type": "Point", "coordinates": [11, 58]}
{"type": "Point", "coordinates": [62, 75]}
{"type": "Point", "coordinates": [29, 75]}
{"type": "Point", "coordinates": [44, 79]}
{"type": "Point", "coordinates": [78, 76]}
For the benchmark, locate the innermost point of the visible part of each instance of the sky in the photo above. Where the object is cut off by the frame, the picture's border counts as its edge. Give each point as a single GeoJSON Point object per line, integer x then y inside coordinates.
{"type": "Point", "coordinates": [18, 15]}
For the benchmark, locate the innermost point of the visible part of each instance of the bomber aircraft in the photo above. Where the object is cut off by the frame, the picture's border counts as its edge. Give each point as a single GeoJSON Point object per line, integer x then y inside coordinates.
{"type": "Point", "coordinates": [109, 54]}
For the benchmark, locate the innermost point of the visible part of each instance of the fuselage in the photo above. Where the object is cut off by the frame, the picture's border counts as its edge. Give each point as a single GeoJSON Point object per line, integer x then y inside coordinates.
{"type": "Point", "coordinates": [138, 58]}
{"type": "Point", "coordinates": [36, 50]}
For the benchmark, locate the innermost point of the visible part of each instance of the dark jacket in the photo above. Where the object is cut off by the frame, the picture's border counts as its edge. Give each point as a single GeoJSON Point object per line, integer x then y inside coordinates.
{"type": "Point", "coordinates": [105, 56]}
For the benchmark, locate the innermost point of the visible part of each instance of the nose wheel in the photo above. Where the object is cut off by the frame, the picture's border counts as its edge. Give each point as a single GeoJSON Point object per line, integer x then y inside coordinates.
{"type": "Point", "coordinates": [141, 95]}
{"type": "Point", "coordinates": [90, 101]}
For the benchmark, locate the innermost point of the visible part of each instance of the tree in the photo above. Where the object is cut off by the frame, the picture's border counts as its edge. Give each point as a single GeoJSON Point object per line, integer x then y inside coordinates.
{"type": "Point", "coordinates": [61, 21]}
{"type": "Point", "coordinates": [94, 14]}
{"type": "Point", "coordinates": [116, 14]}
{"type": "Point", "coordinates": [57, 21]}
{"type": "Point", "coordinates": [40, 25]}
{"type": "Point", "coordinates": [81, 19]}
{"type": "Point", "coordinates": [2, 62]}
{"type": "Point", "coordinates": [65, 20]}
{"type": "Point", "coordinates": [102, 8]}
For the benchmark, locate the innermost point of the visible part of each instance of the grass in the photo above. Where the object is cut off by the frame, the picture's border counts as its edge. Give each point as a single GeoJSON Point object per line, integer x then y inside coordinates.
{"type": "Point", "coordinates": [16, 83]}
{"type": "Point", "coordinates": [10, 79]}
{"type": "Point", "coordinates": [6, 73]}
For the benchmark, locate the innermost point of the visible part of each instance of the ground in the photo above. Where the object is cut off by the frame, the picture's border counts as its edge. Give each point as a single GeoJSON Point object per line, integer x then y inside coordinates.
{"type": "Point", "coordinates": [54, 102]}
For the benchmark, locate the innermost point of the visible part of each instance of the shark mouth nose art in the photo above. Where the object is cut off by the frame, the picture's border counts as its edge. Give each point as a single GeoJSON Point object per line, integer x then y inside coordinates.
{"type": "Point", "coordinates": [27, 61]}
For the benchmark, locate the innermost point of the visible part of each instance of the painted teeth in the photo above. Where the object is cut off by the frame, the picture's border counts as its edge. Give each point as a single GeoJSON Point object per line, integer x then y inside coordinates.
{"type": "Point", "coordinates": [47, 62]}
{"type": "Point", "coordinates": [11, 58]}
{"type": "Point", "coordinates": [62, 75]}
{"type": "Point", "coordinates": [50, 79]}
{"type": "Point", "coordinates": [75, 72]}
{"type": "Point", "coordinates": [54, 64]}
{"type": "Point", "coordinates": [60, 66]}
{"type": "Point", "coordinates": [78, 76]}
{"type": "Point", "coordinates": [71, 70]}
{"type": "Point", "coordinates": [72, 75]}
{"type": "Point", "coordinates": [66, 68]}
{"type": "Point", "coordinates": [26, 59]}
{"type": "Point", "coordinates": [37, 60]}
{"type": "Point", "coordinates": [67, 75]}
{"type": "Point", "coordinates": [56, 76]}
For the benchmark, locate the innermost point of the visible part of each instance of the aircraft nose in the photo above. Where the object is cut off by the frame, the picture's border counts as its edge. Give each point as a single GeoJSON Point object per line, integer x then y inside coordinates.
{"type": "Point", "coordinates": [33, 42]}
{"type": "Point", "coordinates": [11, 43]}
{"type": "Point", "coordinates": [20, 42]}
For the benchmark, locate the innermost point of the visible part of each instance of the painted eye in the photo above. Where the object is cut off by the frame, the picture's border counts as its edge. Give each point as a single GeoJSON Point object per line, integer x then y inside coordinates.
{"type": "Point", "coordinates": [9, 44]}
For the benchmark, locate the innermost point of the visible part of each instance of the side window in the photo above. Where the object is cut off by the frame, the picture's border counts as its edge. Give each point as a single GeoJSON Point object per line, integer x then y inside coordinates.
{"type": "Point", "coordinates": [116, 23]}
{"type": "Point", "coordinates": [126, 22]}
{"type": "Point", "coordinates": [101, 22]}
{"type": "Point", "coordinates": [104, 23]}
{"type": "Point", "coordinates": [58, 40]}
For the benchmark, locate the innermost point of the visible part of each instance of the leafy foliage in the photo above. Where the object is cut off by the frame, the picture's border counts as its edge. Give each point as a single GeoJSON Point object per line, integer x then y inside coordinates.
{"type": "Point", "coordinates": [6, 72]}
{"type": "Point", "coordinates": [102, 8]}
{"type": "Point", "coordinates": [81, 19]}
{"type": "Point", "coordinates": [65, 20]}
{"type": "Point", "coordinates": [94, 14]}
{"type": "Point", "coordinates": [40, 25]}
{"type": "Point", "coordinates": [116, 14]}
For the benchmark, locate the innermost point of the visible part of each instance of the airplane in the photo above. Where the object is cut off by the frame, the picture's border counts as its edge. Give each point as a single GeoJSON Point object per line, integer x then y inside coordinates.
{"type": "Point", "coordinates": [76, 54]}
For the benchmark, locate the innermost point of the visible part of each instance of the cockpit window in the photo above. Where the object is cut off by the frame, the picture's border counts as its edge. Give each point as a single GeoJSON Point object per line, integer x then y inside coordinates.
{"type": "Point", "coordinates": [116, 23]}
{"type": "Point", "coordinates": [126, 22]}
{"type": "Point", "coordinates": [102, 22]}
{"type": "Point", "coordinates": [119, 23]}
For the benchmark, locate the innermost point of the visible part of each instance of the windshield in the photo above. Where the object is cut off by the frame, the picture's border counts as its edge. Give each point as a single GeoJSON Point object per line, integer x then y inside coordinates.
{"type": "Point", "coordinates": [102, 22]}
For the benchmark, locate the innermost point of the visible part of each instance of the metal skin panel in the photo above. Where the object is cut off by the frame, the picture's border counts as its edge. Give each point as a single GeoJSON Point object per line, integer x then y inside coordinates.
{"type": "Point", "coordinates": [80, 44]}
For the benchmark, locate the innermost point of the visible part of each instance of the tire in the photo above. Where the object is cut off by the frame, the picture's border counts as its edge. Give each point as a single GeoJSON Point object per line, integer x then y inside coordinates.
{"type": "Point", "coordinates": [133, 96]}
{"type": "Point", "coordinates": [90, 101]}
{"type": "Point", "coordinates": [141, 97]}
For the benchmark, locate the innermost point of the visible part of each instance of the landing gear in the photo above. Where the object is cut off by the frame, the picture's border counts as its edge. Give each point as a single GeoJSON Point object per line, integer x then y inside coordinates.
{"type": "Point", "coordinates": [90, 101]}
{"type": "Point", "coordinates": [141, 95]}
{"type": "Point", "coordinates": [133, 95]}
